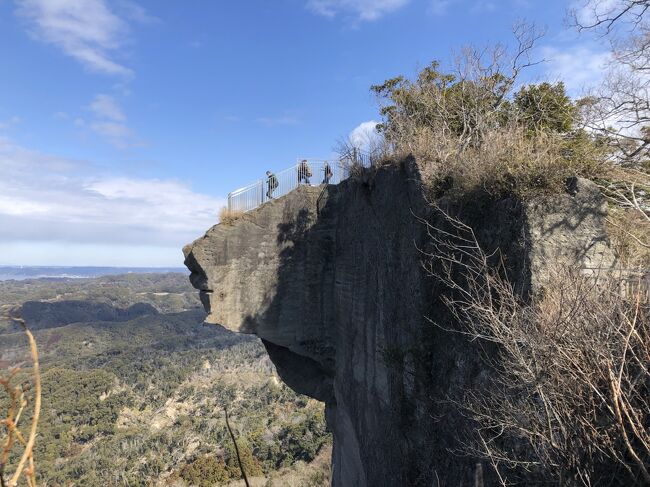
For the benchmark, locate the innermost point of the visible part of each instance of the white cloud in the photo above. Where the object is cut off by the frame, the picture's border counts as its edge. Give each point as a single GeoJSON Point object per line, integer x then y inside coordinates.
{"type": "Point", "coordinates": [10, 122]}
{"type": "Point", "coordinates": [118, 135]}
{"type": "Point", "coordinates": [365, 136]}
{"type": "Point", "coordinates": [440, 7]}
{"type": "Point", "coordinates": [580, 67]}
{"type": "Point", "coordinates": [82, 254]}
{"type": "Point", "coordinates": [110, 122]}
{"type": "Point", "coordinates": [87, 30]}
{"type": "Point", "coordinates": [367, 10]}
{"type": "Point", "coordinates": [50, 201]}
{"type": "Point", "coordinates": [105, 106]}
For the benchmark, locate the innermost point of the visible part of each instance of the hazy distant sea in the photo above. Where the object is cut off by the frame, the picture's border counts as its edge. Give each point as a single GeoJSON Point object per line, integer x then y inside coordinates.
{"type": "Point", "coordinates": [53, 272]}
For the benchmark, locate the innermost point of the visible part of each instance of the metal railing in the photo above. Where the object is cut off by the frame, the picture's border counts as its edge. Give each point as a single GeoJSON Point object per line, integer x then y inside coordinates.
{"type": "Point", "coordinates": [311, 172]}
{"type": "Point", "coordinates": [632, 282]}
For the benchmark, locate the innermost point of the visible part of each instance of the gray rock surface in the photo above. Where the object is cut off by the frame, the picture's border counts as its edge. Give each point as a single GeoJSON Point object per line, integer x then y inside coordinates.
{"type": "Point", "coordinates": [331, 280]}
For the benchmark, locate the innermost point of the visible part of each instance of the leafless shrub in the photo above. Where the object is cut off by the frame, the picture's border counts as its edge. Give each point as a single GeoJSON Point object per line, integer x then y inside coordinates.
{"type": "Point", "coordinates": [228, 216]}
{"type": "Point", "coordinates": [19, 398]}
{"type": "Point", "coordinates": [629, 233]}
{"type": "Point", "coordinates": [568, 398]}
{"type": "Point", "coordinates": [604, 15]}
{"type": "Point", "coordinates": [619, 110]}
{"type": "Point", "coordinates": [628, 192]}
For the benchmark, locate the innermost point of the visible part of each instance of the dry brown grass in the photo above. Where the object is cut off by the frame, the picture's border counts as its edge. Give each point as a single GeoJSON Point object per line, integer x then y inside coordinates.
{"type": "Point", "coordinates": [508, 160]}
{"type": "Point", "coordinates": [628, 223]}
{"type": "Point", "coordinates": [629, 233]}
{"type": "Point", "coordinates": [19, 398]}
{"type": "Point", "coordinates": [228, 217]}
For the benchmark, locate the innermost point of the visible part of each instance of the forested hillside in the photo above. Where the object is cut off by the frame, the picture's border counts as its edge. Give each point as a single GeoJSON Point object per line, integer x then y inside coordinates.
{"type": "Point", "coordinates": [134, 389]}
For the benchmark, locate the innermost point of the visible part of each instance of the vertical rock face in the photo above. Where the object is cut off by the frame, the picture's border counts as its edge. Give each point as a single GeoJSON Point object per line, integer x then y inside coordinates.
{"type": "Point", "coordinates": [331, 280]}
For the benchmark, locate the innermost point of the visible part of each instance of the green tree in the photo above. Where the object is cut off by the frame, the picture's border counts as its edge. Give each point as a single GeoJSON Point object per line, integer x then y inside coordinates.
{"type": "Point", "coordinates": [545, 106]}
{"type": "Point", "coordinates": [250, 464]}
{"type": "Point", "coordinates": [205, 471]}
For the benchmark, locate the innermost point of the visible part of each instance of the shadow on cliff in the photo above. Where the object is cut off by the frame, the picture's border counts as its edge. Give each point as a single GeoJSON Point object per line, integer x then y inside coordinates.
{"type": "Point", "coordinates": [359, 310]}
{"type": "Point", "coordinates": [586, 207]}
{"type": "Point", "coordinates": [294, 230]}
{"type": "Point", "coordinates": [350, 322]}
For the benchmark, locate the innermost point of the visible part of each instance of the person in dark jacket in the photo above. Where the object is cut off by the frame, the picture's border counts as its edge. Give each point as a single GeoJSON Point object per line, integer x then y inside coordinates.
{"type": "Point", "coordinates": [304, 172]}
{"type": "Point", "coordinates": [327, 173]}
{"type": "Point", "coordinates": [271, 183]}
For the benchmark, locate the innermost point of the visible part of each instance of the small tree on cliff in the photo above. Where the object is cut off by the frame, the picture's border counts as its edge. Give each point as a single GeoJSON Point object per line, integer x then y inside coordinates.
{"type": "Point", "coordinates": [545, 107]}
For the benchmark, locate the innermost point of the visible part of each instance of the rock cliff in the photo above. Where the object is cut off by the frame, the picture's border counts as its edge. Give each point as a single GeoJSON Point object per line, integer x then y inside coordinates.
{"type": "Point", "coordinates": [331, 280]}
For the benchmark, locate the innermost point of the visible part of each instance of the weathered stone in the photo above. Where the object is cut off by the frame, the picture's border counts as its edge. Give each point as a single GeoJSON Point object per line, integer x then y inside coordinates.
{"type": "Point", "coordinates": [331, 280]}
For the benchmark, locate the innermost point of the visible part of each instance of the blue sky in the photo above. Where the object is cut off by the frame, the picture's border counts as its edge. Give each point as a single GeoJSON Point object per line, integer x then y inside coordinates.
{"type": "Point", "coordinates": [124, 123]}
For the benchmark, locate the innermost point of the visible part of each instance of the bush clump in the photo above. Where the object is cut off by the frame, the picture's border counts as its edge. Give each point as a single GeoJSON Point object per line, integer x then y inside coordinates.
{"type": "Point", "coordinates": [468, 128]}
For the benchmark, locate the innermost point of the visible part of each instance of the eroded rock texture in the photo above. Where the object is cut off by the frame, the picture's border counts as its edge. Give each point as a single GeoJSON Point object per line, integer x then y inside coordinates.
{"type": "Point", "coordinates": [332, 282]}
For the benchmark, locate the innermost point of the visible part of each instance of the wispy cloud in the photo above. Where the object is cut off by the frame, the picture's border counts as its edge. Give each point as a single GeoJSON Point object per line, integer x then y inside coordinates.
{"type": "Point", "coordinates": [87, 30]}
{"type": "Point", "coordinates": [49, 198]}
{"type": "Point", "coordinates": [132, 11]}
{"type": "Point", "coordinates": [8, 123]}
{"type": "Point", "coordinates": [276, 121]}
{"type": "Point", "coordinates": [442, 7]}
{"type": "Point", "coordinates": [580, 67]}
{"type": "Point", "coordinates": [366, 10]}
{"type": "Point", "coordinates": [105, 106]}
{"type": "Point", "coordinates": [110, 122]}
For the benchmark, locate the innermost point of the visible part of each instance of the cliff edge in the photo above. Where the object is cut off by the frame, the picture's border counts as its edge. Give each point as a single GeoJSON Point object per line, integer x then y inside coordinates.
{"type": "Point", "coordinates": [330, 278]}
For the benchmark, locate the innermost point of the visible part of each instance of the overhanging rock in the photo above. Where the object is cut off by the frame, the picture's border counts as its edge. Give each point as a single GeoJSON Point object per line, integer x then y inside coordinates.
{"type": "Point", "coordinates": [331, 280]}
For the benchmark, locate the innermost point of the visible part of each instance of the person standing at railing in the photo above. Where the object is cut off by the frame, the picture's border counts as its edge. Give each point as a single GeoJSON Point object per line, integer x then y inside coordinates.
{"type": "Point", "coordinates": [304, 172]}
{"type": "Point", "coordinates": [271, 183]}
{"type": "Point", "coordinates": [327, 173]}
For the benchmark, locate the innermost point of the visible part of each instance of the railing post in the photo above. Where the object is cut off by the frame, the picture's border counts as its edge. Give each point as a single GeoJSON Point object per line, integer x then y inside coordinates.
{"type": "Point", "coordinates": [229, 201]}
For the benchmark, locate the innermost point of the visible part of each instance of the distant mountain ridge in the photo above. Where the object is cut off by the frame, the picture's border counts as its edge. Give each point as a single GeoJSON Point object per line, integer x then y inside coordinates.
{"type": "Point", "coordinates": [60, 272]}
{"type": "Point", "coordinates": [41, 315]}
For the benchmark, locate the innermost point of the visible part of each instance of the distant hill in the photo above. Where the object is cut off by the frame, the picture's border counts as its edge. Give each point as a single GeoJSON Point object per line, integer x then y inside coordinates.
{"type": "Point", "coordinates": [42, 315]}
{"type": "Point", "coordinates": [167, 292]}
{"type": "Point", "coordinates": [134, 387]}
{"type": "Point", "coordinates": [54, 272]}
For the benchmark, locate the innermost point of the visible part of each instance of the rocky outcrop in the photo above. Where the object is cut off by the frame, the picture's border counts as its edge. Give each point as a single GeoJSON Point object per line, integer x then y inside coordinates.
{"type": "Point", "coordinates": [331, 280]}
